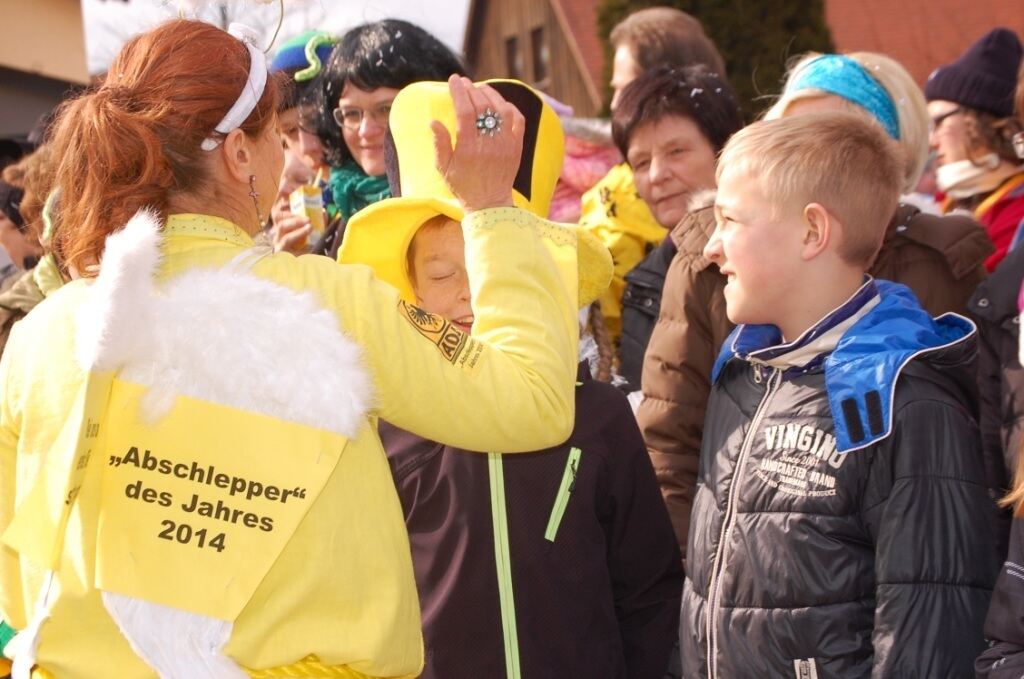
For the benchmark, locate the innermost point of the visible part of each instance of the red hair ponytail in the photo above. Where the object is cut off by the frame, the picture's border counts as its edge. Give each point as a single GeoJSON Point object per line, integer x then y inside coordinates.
{"type": "Point", "coordinates": [135, 141]}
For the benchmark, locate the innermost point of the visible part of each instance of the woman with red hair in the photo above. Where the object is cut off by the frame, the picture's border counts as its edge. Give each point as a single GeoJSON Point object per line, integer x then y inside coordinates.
{"type": "Point", "coordinates": [180, 496]}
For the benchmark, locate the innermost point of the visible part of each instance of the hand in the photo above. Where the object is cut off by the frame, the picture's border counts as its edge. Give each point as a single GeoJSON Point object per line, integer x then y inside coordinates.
{"type": "Point", "coordinates": [480, 169]}
{"type": "Point", "coordinates": [291, 234]}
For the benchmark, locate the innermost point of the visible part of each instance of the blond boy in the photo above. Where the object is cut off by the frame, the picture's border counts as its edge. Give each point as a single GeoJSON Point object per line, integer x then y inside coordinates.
{"type": "Point", "coordinates": [841, 526]}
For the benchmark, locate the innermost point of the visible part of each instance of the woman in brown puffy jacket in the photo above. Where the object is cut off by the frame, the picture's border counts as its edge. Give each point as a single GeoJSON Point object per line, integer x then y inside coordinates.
{"type": "Point", "coordinates": [939, 258]}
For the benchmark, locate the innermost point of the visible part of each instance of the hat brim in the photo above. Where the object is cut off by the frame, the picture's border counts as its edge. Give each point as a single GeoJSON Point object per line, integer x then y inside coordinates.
{"type": "Point", "coordinates": [380, 235]}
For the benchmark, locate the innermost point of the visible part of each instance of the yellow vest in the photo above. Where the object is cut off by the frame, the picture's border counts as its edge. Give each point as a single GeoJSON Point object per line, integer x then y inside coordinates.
{"type": "Point", "coordinates": [339, 600]}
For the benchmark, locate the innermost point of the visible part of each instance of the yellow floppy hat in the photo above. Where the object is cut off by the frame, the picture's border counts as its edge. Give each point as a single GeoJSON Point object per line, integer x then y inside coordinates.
{"type": "Point", "coordinates": [380, 235]}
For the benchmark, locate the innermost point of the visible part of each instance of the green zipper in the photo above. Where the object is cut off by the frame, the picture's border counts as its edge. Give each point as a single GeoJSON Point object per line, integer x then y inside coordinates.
{"type": "Point", "coordinates": [503, 561]}
{"type": "Point", "coordinates": [572, 464]}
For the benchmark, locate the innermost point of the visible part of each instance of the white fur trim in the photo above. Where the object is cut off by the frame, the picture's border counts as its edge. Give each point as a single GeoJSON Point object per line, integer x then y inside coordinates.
{"type": "Point", "coordinates": [130, 261]}
{"type": "Point", "coordinates": [224, 336]}
{"type": "Point", "coordinates": [220, 335]}
{"type": "Point", "coordinates": [701, 199]}
{"type": "Point", "coordinates": [175, 643]}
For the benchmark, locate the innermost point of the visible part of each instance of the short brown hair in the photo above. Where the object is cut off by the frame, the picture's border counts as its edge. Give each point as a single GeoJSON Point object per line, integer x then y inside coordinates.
{"type": "Point", "coordinates": [993, 133]}
{"type": "Point", "coordinates": [664, 36]}
{"type": "Point", "coordinates": [693, 92]}
{"type": "Point", "coordinates": [838, 159]}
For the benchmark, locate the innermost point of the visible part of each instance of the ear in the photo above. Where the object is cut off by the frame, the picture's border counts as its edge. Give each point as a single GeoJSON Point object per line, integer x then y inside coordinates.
{"type": "Point", "coordinates": [819, 225]}
{"type": "Point", "coordinates": [237, 153]}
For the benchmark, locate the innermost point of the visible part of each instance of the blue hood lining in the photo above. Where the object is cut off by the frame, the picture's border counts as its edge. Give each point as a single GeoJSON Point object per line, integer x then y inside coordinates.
{"type": "Point", "coordinates": [861, 372]}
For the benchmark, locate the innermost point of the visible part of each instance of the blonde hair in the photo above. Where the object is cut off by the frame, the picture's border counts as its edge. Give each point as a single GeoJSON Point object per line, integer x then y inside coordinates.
{"type": "Point", "coordinates": [907, 97]}
{"type": "Point", "coordinates": [834, 158]}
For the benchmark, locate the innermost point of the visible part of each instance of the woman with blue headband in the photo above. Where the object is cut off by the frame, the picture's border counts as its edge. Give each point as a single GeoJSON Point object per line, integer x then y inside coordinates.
{"type": "Point", "coordinates": [940, 259]}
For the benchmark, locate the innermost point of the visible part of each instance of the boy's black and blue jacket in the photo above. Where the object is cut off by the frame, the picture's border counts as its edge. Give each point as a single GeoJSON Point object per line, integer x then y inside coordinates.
{"type": "Point", "coordinates": [842, 526]}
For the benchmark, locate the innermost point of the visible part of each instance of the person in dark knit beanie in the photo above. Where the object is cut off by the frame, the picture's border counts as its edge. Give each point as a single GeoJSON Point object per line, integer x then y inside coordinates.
{"type": "Point", "coordinates": [970, 102]}
{"type": "Point", "coordinates": [984, 77]}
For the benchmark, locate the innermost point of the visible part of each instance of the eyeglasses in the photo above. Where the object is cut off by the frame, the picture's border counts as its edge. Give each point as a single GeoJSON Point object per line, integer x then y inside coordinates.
{"type": "Point", "coordinates": [1018, 144]}
{"type": "Point", "coordinates": [941, 118]}
{"type": "Point", "coordinates": [351, 117]}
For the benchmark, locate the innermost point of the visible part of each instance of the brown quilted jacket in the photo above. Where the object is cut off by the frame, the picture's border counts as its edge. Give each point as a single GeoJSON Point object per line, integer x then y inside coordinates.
{"type": "Point", "coordinates": [940, 258]}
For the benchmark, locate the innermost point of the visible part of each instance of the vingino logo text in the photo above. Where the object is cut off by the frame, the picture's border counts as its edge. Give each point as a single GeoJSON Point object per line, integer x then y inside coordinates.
{"type": "Point", "coordinates": [801, 460]}
{"type": "Point", "coordinates": [805, 439]}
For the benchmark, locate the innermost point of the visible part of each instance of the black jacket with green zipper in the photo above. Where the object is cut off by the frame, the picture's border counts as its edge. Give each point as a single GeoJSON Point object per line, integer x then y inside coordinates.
{"type": "Point", "coordinates": [559, 563]}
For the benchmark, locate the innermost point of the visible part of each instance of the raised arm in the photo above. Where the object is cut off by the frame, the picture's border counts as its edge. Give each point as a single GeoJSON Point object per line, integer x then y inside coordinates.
{"type": "Point", "coordinates": [509, 387]}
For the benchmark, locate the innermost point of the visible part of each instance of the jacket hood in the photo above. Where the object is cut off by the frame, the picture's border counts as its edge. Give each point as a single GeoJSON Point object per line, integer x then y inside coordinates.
{"type": "Point", "coordinates": [996, 299]}
{"type": "Point", "coordinates": [862, 369]}
{"type": "Point", "coordinates": [962, 242]}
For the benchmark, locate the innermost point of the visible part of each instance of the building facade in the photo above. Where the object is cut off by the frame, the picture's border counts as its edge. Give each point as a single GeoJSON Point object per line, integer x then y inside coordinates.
{"type": "Point", "coordinates": [550, 44]}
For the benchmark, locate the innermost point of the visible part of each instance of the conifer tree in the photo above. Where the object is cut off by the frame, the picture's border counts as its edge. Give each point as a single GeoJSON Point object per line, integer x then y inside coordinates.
{"type": "Point", "coordinates": [755, 37]}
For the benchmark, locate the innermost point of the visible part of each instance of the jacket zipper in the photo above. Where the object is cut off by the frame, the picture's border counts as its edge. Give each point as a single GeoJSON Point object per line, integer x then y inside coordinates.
{"type": "Point", "coordinates": [572, 464]}
{"type": "Point", "coordinates": [730, 518]}
{"type": "Point", "coordinates": [503, 562]}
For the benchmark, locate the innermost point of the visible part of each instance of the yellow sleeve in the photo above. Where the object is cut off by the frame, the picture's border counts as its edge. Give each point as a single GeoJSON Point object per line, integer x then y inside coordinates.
{"type": "Point", "coordinates": [507, 388]}
{"type": "Point", "coordinates": [10, 582]}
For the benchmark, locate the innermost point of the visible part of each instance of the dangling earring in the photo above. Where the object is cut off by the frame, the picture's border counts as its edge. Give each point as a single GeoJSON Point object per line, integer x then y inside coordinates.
{"type": "Point", "coordinates": [255, 194]}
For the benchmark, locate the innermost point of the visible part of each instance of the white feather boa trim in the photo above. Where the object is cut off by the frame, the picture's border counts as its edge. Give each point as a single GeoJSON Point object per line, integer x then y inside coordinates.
{"type": "Point", "coordinates": [220, 335]}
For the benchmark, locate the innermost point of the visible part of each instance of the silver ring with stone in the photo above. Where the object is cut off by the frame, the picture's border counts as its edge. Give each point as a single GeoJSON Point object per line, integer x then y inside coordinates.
{"type": "Point", "coordinates": [489, 123]}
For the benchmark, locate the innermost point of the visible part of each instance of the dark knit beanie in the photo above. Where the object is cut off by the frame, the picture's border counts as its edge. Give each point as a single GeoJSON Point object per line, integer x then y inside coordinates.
{"type": "Point", "coordinates": [984, 77]}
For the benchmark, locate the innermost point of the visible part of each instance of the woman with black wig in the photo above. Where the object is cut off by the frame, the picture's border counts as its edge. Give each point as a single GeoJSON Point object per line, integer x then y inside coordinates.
{"type": "Point", "coordinates": [350, 103]}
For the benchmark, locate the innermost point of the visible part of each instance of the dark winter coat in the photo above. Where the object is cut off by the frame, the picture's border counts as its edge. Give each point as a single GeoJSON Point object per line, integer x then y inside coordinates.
{"type": "Point", "coordinates": [1000, 376]}
{"type": "Point", "coordinates": [940, 258]}
{"type": "Point", "coordinates": [562, 561]}
{"type": "Point", "coordinates": [641, 302]}
{"type": "Point", "coordinates": [1004, 626]}
{"type": "Point", "coordinates": [842, 524]}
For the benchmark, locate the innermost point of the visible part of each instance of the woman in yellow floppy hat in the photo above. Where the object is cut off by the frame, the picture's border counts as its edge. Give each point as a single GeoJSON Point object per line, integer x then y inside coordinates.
{"type": "Point", "coordinates": [558, 563]}
{"type": "Point", "coordinates": [178, 497]}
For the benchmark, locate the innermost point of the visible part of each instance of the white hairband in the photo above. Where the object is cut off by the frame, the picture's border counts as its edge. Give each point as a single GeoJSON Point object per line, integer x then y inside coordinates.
{"type": "Point", "coordinates": [251, 92]}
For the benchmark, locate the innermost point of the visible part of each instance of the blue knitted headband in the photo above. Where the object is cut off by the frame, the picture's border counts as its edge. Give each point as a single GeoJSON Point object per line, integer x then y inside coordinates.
{"type": "Point", "coordinates": [844, 77]}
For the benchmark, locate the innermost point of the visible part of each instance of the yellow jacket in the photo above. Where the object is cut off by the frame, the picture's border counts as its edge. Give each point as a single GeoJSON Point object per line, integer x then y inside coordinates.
{"type": "Point", "coordinates": [614, 212]}
{"type": "Point", "coordinates": [341, 594]}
